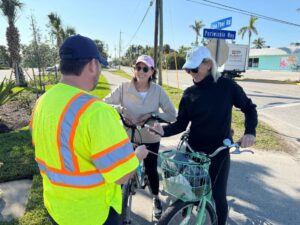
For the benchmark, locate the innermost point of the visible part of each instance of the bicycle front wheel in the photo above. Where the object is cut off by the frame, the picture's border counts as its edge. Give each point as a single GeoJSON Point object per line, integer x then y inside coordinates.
{"type": "Point", "coordinates": [185, 213]}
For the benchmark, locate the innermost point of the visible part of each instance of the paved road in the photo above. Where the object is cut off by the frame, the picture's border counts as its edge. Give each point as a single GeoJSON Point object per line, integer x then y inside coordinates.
{"type": "Point", "coordinates": [8, 73]}
{"type": "Point", "coordinates": [261, 190]}
{"type": "Point", "coordinates": [279, 106]}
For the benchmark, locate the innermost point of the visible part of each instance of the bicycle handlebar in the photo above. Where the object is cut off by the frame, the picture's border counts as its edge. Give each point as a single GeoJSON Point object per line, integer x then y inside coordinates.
{"type": "Point", "coordinates": [227, 145]}
{"type": "Point", "coordinates": [135, 126]}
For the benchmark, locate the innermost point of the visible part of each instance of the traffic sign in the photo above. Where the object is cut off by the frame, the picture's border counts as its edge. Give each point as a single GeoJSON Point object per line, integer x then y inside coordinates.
{"type": "Point", "coordinates": [219, 50]}
{"type": "Point", "coordinates": [222, 34]}
{"type": "Point", "coordinates": [220, 24]}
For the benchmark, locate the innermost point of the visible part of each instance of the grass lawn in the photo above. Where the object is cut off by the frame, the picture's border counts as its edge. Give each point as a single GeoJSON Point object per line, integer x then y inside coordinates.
{"type": "Point", "coordinates": [17, 155]}
{"type": "Point", "coordinates": [122, 74]}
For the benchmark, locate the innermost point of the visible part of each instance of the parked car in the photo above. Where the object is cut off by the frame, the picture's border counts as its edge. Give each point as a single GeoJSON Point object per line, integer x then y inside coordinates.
{"type": "Point", "coordinates": [52, 68]}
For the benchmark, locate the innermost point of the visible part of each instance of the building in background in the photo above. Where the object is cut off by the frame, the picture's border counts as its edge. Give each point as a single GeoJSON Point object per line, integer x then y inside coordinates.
{"type": "Point", "coordinates": [276, 59]}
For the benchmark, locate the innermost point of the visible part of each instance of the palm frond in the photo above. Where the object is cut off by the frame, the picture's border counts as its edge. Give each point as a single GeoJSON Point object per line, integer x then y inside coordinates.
{"type": "Point", "coordinates": [6, 93]}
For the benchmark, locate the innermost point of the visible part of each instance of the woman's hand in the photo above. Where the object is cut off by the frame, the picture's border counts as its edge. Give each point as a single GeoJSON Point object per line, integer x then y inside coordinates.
{"type": "Point", "coordinates": [247, 140]}
{"type": "Point", "coordinates": [141, 152]}
{"type": "Point", "coordinates": [128, 119]}
{"type": "Point", "coordinates": [157, 129]}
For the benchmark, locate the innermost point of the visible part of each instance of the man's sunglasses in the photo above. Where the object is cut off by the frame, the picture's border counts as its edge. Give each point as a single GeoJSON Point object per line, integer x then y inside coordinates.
{"type": "Point", "coordinates": [145, 69]}
{"type": "Point", "coordinates": [195, 70]}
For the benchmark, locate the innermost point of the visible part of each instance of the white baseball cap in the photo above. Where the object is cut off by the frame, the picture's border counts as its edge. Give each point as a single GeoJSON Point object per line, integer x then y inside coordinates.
{"type": "Point", "coordinates": [195, 56]}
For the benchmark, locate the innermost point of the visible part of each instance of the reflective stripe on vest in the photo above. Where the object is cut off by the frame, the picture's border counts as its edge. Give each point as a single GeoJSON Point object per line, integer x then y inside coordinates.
{"type": "Point", "coordinates": [71, 179]}
{"type": "Point", "coordinates": [69, 174]}
{"type": "Point", "coordinates": [67, 129]}
{"type": "Point", "coordinates": [113, 156]}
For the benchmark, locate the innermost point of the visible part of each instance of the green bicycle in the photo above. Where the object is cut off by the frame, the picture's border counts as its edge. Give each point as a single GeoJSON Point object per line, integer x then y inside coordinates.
{"type": "Point", "coordinates": [186, 177]}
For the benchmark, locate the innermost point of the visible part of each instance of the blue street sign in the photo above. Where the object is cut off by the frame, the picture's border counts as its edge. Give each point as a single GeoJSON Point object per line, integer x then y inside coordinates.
{"type": "Point", "coordinates": [220, 24]}
{"type": "Point", "coordinates": [222, 34]}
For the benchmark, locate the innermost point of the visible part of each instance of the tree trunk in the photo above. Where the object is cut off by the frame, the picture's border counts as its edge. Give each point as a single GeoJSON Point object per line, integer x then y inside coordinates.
{"type": "Point", "coordinates": [13, 42]}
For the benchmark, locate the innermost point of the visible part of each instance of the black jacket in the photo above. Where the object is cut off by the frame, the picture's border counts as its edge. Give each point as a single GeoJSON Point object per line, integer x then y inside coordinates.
{"type": "Point", "coordinates": [208, 106]}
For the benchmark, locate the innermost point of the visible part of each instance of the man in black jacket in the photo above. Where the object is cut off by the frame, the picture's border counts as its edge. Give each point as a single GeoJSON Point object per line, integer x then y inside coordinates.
{"type": "Point", "coordinates": [208, 106]}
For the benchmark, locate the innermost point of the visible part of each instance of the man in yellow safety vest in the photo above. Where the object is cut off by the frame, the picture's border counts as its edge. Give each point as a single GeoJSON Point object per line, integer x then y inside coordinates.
{"type": "Point", "coordinates": [81, 148]}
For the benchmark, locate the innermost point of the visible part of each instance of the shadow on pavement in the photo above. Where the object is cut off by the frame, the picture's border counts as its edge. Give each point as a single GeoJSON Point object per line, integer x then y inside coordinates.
{"type": "Point", "coordinates": [258, 201]}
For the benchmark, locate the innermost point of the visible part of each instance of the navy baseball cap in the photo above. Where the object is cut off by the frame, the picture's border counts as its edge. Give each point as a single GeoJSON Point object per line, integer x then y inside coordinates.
{"type": "Point", "coordinates": [80, 47]}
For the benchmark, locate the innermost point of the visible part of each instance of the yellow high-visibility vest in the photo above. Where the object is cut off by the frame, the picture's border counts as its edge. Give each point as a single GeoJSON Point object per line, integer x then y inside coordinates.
{"type": "Point", "coordinates": [81, 149]}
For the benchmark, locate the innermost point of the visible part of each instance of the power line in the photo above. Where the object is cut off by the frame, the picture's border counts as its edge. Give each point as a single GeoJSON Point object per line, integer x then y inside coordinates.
{"type": "Point", "coordinates": [133, 36]}
{"type": "Point", "coordinates": [241, 11]}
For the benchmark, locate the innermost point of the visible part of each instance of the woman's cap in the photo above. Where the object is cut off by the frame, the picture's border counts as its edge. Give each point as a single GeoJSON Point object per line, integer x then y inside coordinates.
{"type": "Point", "coordinates": [145, 59]}
{"type": "Point", "coordinates": [80, 47]}
{"type": "Point", "coordinates": [195, 56]}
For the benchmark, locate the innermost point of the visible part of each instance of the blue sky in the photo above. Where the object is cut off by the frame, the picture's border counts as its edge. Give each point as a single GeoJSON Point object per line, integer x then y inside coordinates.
{"type": "Point", "coordinates": [104, 19]}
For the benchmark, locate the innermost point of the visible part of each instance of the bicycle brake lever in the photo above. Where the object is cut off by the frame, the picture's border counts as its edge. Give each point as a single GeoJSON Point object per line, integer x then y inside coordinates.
{"type": "Point", "coordinates": [236, 151]}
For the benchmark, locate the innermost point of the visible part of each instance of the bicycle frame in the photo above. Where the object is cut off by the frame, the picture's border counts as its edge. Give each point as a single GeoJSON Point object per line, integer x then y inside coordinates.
{"type": "Point", "coordinates": [204, 201]}
{"type": "Point", "coordinates": [139, 180]}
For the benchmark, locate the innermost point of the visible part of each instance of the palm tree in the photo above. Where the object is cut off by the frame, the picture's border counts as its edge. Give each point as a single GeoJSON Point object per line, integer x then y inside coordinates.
{"type": "Point", "coordinates": [250, 29]}
{"type": "Point", "coordinates": [197, 27]}
{"type": "Point", "coordinates": [58, 32]}
{"type": "Point", "coordinates": [102, 48]}
{"type": "Point", "coordinates": [68, 32]}
{"type": "Point", "coordinates": [167, 49]}
{"type": "Point", "coordinates": [56, 28]}
{"type": "Point", "coordinates": [259, 43]}
{"type": "Point", "coordinates": [9, 9]}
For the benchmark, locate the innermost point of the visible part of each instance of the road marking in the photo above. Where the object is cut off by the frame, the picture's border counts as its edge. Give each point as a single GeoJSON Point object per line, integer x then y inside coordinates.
{"type": "Point", "coordinates": [282, 105]}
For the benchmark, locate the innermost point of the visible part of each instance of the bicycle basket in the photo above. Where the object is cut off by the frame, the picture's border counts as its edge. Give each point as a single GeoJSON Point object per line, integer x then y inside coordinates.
{"type": "Point", "coordinates": [185, 175]}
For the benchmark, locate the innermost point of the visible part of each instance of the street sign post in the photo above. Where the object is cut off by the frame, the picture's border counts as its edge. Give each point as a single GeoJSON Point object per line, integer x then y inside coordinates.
{"type": "Point", "coordinates": [218, 45]}
{"type": "Point", "coordinates": [219, 50]}
{"type": "Point", "coordinates": [223, 23]}
{"type": "Point", "coordinates": [221, 34]}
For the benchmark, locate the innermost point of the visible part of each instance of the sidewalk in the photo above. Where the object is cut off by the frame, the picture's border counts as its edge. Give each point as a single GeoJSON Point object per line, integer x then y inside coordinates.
{"type": "Point", "coordinates": [13, 199]}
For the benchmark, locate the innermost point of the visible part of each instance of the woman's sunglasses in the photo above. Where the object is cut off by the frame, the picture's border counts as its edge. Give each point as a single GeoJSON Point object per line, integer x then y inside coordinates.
{"type": "Point", "coordinates": [145, 69]}
{"type": "Point", "coordinates": [195, 70]}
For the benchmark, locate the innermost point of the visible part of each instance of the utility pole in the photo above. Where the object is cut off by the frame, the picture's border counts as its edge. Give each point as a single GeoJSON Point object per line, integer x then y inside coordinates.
{"type": "Point", "coordinates": [115, 60]}
{"type": "Point", "coordinates": [158, 24]}
{"type": "Point", "coordinates": [161, 44]}
{"type": "Point", "coordinates": [120, 41]}
{"type": "Point", "coordinates": [156, 31]}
